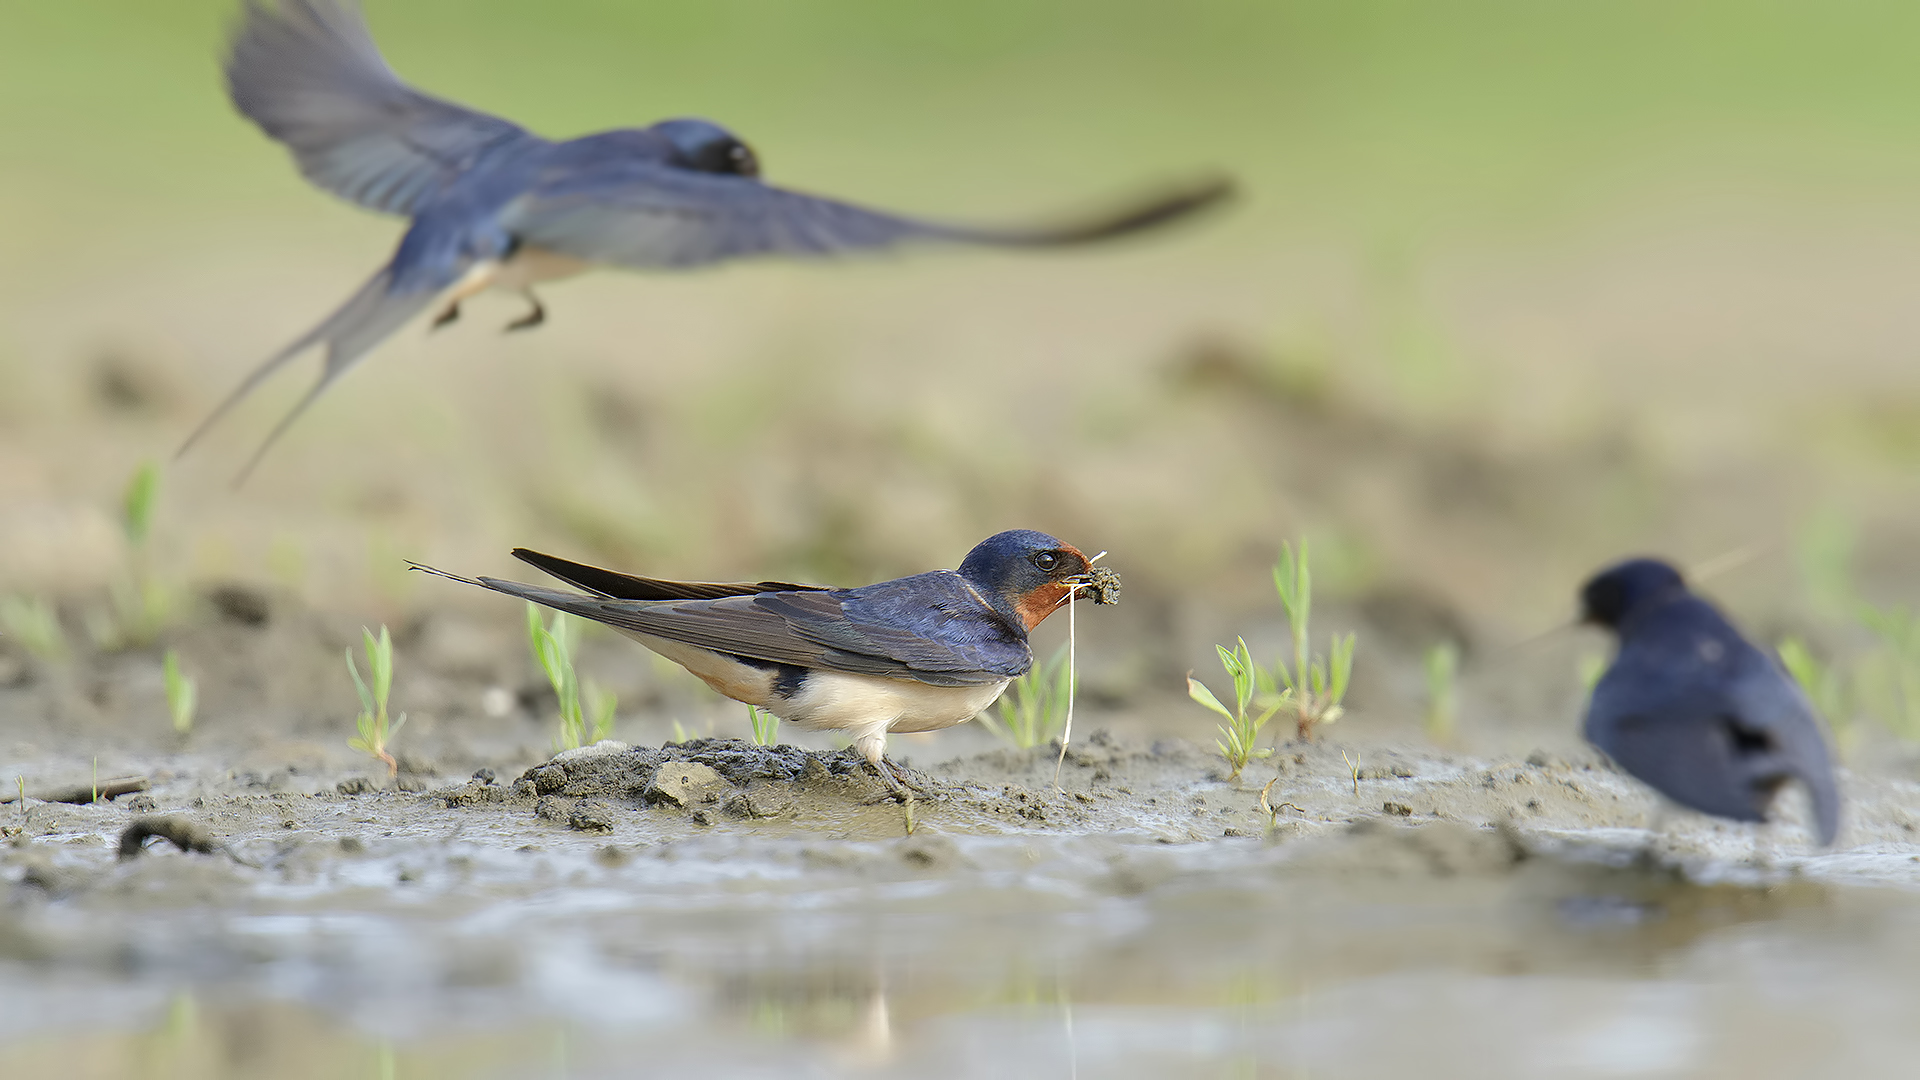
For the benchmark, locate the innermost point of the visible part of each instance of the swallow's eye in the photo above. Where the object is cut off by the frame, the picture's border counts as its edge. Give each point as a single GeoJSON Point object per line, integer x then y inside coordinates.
{"type": "Point", "coordinates": [1046, 561]}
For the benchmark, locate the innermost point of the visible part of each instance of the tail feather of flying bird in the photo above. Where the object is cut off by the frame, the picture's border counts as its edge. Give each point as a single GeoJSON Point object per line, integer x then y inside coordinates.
{"type": "Point", "coordinates": [372, 313]}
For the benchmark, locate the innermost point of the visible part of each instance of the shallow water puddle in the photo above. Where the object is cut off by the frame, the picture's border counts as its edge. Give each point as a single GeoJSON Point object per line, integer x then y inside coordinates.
{"type": "Point", "coordinates": [1438, 948]}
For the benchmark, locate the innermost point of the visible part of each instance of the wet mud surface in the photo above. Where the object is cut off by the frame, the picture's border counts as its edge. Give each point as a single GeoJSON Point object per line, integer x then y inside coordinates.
{"type": "Point", "coordinates": [252, 898]}
{"type": "Point", "coordinates": [717, 905]}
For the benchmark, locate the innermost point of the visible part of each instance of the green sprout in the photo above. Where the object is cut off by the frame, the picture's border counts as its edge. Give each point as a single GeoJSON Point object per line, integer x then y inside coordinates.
{"type": "Point", "coordinates": [680, 732]}
{"type": "Point", "coordinates": [1443, 702]}
{"type": "Point", "coordinates": [1824, 550]}
{"type": "Point", "coordinates": [1824, 684]}
{"type": "Point", "coordinates": [139, 602]}
{"type": "Point", "coordinates": [182, 693]}
{"type": "Point", "coordinates": [136, 506]}
{"type": "Point", "coordinates": [766, 726]}
{"type": "Point", "coordinates": [1315, 685]}
{"type": "Point", "coordinates": [552, 647]}
{"type": "Point", "coordinates": [375, 732]}
{"type": "Point", "coordinates": [1588, 669]}
{"type": "Point", "coordinates": [1033, 711]}
{"type": "Point", "coordinates": [601, 703]}
{"type": "Point", "coordinates": [1888, 680]}
{"type": "Point", "coordinates": [33, 622]}
{"type": "Point", "coordinates": [1255, 700]}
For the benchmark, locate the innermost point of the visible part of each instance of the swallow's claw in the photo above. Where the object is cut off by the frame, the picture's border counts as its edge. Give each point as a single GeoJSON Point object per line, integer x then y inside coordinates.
{"type": "Point", "coordinates": [449, 315]}
{"type": "Point", "coordinates": [902, 784]}
{"type": "Point", "coordinates": [531, 319]}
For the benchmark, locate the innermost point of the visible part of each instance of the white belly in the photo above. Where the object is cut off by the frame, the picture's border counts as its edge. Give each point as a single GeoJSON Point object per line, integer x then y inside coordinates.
{"type": "Point", "coordinates": [527, 268]}
{"type": "Point", "coordinates": [836, 700]}
{"type": "Point", "coordinates": [866, 707]}
{"type": "Point", "coordinates": [532, 265]}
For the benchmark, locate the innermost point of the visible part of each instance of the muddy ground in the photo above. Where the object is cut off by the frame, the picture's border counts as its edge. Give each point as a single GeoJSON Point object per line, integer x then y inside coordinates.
{"type": "Point", "coordinates": [492, 909]}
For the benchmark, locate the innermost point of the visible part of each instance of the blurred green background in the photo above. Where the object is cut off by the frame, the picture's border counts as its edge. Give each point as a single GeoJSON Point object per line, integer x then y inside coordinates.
{"type": "Point", "coordinates": [1513, 288]}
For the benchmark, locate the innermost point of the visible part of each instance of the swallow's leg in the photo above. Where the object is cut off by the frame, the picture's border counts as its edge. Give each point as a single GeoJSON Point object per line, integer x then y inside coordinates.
{"type": "Point", "coordinates": [532, 318]}
{"type": "Point", "coordinates": [474, 282]}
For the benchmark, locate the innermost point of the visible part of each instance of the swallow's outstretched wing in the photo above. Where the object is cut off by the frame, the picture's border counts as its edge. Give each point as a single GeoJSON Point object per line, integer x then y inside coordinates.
{"type": "Point", "coordinates": [649, 216]}
{"type": "Point", "coordinates": [848, 630]}
{"type": "Point", "coordinates": [310, 75]}
{"type": "Point", "coordinates": [617, 586]}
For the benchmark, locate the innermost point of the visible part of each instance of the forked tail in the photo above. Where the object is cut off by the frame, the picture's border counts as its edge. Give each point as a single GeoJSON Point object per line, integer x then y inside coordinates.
{"type": "Point", "coordinates": [368, 317]}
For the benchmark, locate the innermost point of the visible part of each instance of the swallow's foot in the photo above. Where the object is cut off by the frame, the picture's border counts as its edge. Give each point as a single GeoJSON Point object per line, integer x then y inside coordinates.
{"type": "Point", "coordinates": [902, 783]}
{"type": "Point", "coordinates": [449, 315]}
{"type": "Point", "coordinates": [531, 319]}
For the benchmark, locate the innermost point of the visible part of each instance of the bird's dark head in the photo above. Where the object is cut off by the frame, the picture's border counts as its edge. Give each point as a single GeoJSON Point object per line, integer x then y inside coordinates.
{"type": "Point", "coordinates": [1611, 596]}
{"type": "Point", "coordinates": [1026, 575]}
{"type": "Point", "coordinates": [703, 146]}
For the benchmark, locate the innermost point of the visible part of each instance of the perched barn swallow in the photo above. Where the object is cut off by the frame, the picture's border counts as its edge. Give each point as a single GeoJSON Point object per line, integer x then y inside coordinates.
{"type": "Point", "coordinates": [494, 206]}
{"type": "Point", "coordinates": [1696, 711]}
{"type": "Point", "coordinates": [917, 653]}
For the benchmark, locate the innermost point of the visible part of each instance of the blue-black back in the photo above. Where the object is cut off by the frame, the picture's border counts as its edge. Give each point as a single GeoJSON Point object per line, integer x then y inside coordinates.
{"type": "Point", "coordinates": [1694, 710]}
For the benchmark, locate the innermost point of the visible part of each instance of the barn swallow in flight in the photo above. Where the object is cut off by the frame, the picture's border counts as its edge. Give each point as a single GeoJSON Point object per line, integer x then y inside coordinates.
{"type": "Point", "coordinates": [1696, 711]}
{"type": "Point", "coordinates": [916, 653]}
{"type": "Point", "coordinates": [492, 205]}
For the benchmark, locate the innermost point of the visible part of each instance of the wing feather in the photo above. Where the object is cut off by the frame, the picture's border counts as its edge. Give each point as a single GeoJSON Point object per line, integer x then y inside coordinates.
{"type": "Point", "coordinates": [615, 585]}
{"type": "Point", "coordinates": [850, 630]}
{"type": "Point", "coordinates": [309, 74]}
{"type": "Point", "coordinates": [647, 215]}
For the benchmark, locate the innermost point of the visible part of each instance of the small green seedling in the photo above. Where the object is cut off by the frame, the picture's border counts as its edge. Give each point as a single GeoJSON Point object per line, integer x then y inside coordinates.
{"type": "Point", "coordinates": [1316, 685]}
{"type": "Point", "coordinates": [137, 504]}
{"type": "Point", "coordinates": [139, 602]}
{"type": "Point", "coordinates": [552, 647]}
{"type": "Point", "coordinates": [1588, 670]}
{"type": "Point", "coordinates": [1443, 701]}
{"type": "Point", "coordinates": [1033, 711]}
{"type": "Point", "coordinates": [375, 732]}
{"type": "Point", "coordinates": [182, 693]}
{"type": "Point", "coordinates": [1824, 548]}
{"type": "Point", "coordinates": [1824, 684]}
{"type": "Point", "coordinates": [1255, 700]}
{"type": "Point", "coordinates": [766, 726]}
{"type": "Point", "coordinates": [35, 625]}
{"type": "Point", "coordinates": [1889, 680]}
{"type": "Point", "coordinates": [601, 704]}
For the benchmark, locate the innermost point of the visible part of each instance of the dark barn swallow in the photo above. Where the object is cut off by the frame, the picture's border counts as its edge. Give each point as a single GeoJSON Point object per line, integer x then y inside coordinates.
{"type": "Point", "coordinates": [917, 653]}
{"type": "Point", "coordinates": [1693, 709]}
{"type": "Point", "coordinates": [494, 206]}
